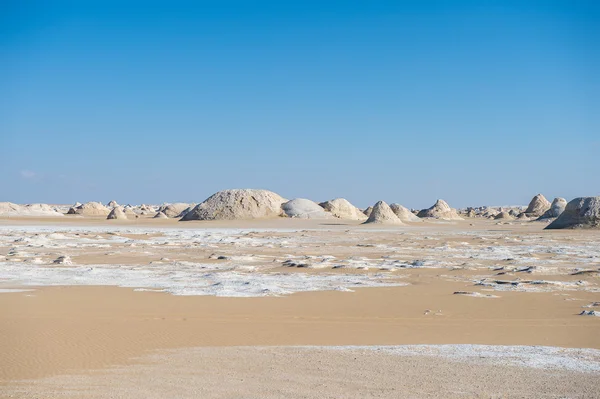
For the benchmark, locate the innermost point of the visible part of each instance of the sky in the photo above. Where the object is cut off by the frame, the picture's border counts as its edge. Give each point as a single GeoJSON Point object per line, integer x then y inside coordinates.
{"type": "Point", "coordinates": [476, 102]}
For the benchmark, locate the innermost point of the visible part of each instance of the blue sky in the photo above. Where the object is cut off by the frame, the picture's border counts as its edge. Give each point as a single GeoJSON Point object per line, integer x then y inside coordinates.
{"type": "Point", "coordinates": [408, 101]}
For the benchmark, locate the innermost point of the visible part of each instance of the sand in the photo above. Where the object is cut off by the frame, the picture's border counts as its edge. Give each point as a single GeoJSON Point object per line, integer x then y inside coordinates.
{"type": "Point", "coordinates": [66, 337]}
{"type": "Point", "coordinates": [275, 372]}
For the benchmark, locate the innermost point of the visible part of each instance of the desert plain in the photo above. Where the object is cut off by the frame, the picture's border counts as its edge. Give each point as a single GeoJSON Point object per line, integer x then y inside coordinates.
{"type": "Point", "coordinates": [297, 307]}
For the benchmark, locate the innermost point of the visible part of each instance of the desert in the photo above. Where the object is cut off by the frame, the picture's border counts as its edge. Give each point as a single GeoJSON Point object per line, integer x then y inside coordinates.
{"type": "Point", "coordinates": [90, 302]}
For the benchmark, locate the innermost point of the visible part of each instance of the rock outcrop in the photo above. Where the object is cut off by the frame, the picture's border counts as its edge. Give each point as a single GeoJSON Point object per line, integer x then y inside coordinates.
{"type": "Point", "coordinates": [583, 212]}
{"type": "Point", "coordinates": [537, 206]}
{"type": "Point", "coordinates": [174, 210]}
{"type": "Point", "coordinates": [238, 204]}
{"type": "Point", "coordinates": [90, 209]}
{"type": "Point", "coordinates": [404, 214]}
{"type": "Point", "coordinates": [117, 213]}
{"type": "Point", "coordinates": [383, 214]}
{"type": "Point", "coordinates": [343, 209]}
{"type": "Point", "coordinates": [440, 210]}
{"type": "Point", "coordinates": [304, 209]}
{"type": "Point", "coordinates": [160, 215]}
{"type": "Point", "coordinates": [556, 209]}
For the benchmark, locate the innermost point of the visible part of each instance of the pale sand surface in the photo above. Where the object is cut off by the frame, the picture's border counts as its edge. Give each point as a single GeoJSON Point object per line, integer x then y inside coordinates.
{"type": "Point", "coordinates": [66, 330]}
{"type": "Point", "coordinates": [276, 372]}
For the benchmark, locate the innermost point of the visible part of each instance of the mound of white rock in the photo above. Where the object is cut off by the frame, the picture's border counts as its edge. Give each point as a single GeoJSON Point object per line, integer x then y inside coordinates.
{"type": "Point", "coordinates": [537, 206]}
{"type": "Point", "coordinates": [238, 204]}
{"type": "Point", "coordinates": [383, 214]}
{"type": "Point", "coordinates": [583, 212]}
{"type": "Point", "coordinates": [440, 210]}
{"type": "Point", "coordinates": [558, 206]}
{"type": "Point", "coordinates": [404, 213]}
{"type": "Point", "coordinates": [343, 209]}
{"type": "Point", "coordinates": [117, 213]}
{"type": "Point", "coordinates": [89, 209]}
{"type": "Point", "coordinates": [8, 209]}
{"type": "Point", "coordinates": [177, 209]}
{"type": "Point", "coordinates": [304, 209]}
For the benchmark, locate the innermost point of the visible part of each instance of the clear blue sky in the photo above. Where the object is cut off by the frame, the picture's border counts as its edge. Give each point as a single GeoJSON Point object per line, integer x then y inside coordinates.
{"type": "Point", "coordinates": [477, 102]}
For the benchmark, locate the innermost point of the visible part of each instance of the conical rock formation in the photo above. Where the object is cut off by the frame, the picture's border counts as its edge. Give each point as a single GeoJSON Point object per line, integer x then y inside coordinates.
{"type": "Point", "coordinates": [383, 214]}
{"type": "Point", "coordinates": [537, 206]}
{"type": "Point", "coordinates": [117, 213]}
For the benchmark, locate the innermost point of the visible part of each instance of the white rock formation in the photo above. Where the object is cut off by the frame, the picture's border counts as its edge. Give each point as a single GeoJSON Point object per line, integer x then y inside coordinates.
{"type": "Point", "coordinates": [404, 213]}
{"type": "Point", "coordinates": [117, 213]}
{"type": "Point", "coordinates": [160, 215]}
{"type": "Point", "coordinates": [90, 209]}
{"type": "Point", "coordinates": [174, 210]}
{"type": "Point", "coordinates": [383, 214]}
{"type": "Point", "coordinates": [503, 216]}
{"type": "Point", "coordinates": [343, 209]}
{"type": "Point", "coordinates": [537, 206]}
{"type": "Point", "coordinates": [440, 210]}
{"type": "Point", "coordinates": [304, 209]}
{"type": "Point", "coordinates": [583, 212]}
{"type": "Point", "coordinates": [8, 209]}
{"type": "Point", "coordinates": [238, 204]}
{"type": "Point", "coordinates": [558, 206]}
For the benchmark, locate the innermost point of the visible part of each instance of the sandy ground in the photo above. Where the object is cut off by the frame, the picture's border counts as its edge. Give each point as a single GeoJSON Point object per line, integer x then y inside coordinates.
{"type": "Point", "coordinates": [76, 336]}
{"type": "Point", "coordinates": [255, 372]}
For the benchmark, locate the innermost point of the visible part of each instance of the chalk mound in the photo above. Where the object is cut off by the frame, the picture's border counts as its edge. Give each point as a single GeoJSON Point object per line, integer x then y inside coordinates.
{"type": "Point", "coordinates": [368, 211]}
{"type": "Point", "coordinates": [583, 212]}
{"type": "Point", "coordinates": [112, 204]}
{"type": "Point", "coordinates": [304, 209]}
{"type": "Point", "coordinates": [503, 216]}
{"type": "Point", "coordinates": [177, 209]}
{"type": "Point", "coordinates": [404, 213]}
{"type": "Point", "coordinates": [556, 209]}
{"type": "Point", "coordinates": [343, 209]}
{"type": "Point", "coordinates": [117, 213]}
{"type": "Point", "coordinates": [160, 215]}
{"type": "Point", "coordinates": [383, 214]}
{"type": "Point", "coordinates": [440, 210]}
{"type": "Point", "coordinates": [538, 206]}
{"type": "Point", "coordinates": [238, 204]}
{"type": "Point", "coordinates": [146, 210]}
{"type": "Point", "coordinates": [90, 209]}
{"type": "Point", "coordinates": [15, 210]}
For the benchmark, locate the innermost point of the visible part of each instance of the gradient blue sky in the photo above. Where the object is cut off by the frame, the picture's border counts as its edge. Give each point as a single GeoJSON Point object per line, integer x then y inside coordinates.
{"type": "Point", "coordinates": [408, 101]}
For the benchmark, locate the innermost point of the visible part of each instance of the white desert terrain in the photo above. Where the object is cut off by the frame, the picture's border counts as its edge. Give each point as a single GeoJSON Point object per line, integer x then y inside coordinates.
{"type": "Point", "coordinates": [254, 295]}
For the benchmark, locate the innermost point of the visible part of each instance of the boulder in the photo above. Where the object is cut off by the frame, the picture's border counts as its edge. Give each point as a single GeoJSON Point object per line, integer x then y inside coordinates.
{"type": "Point", "coordinates": [304, 209]}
